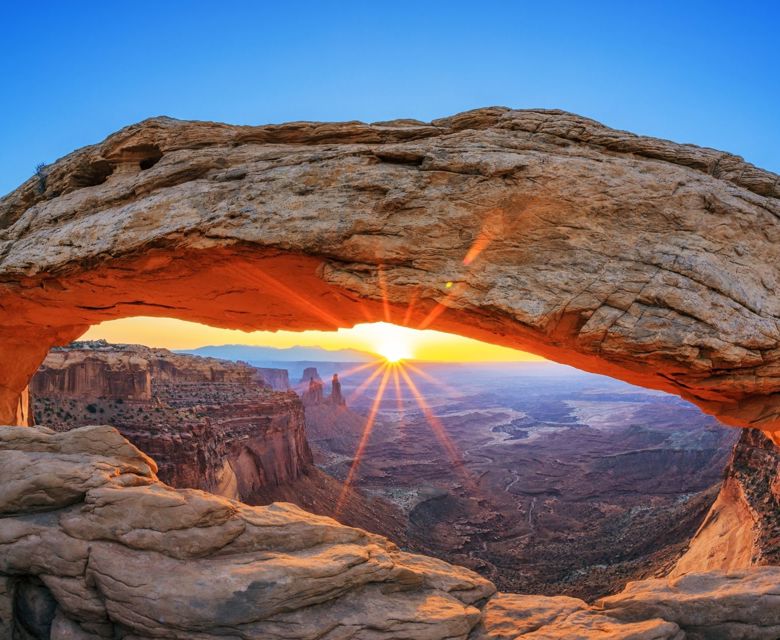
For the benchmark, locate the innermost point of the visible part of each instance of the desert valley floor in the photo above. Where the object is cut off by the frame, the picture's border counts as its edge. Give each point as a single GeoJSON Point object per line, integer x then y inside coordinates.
{"type": "Point", "coordinates": [541, 477]}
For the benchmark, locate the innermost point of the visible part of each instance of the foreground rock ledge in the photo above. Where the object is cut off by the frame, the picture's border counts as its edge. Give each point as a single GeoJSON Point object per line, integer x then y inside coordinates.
{"type": "Point", "coordinates": [93, 546]}
{"type": "Point", "coordinates": [649, 261]}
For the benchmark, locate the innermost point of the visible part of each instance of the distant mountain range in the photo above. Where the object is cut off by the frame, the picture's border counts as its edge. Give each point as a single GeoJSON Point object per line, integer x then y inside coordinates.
{"type": "Point", "coordinates": [249, 353]}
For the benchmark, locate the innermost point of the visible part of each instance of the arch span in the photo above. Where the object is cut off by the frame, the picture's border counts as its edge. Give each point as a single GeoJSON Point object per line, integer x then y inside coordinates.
{"type": "Point", "coordinates": [649, 261]}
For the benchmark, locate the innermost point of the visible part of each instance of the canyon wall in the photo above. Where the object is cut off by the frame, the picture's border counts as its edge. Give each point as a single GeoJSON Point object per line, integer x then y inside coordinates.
{"type": "Point", "coordinates": [742, 528]}
{"type": "Point", "coordinates": [278, 379]}
{"type": "Point", "coordinates": [209, 424]}
{"type": "Point", "coordinates": [212, 424]}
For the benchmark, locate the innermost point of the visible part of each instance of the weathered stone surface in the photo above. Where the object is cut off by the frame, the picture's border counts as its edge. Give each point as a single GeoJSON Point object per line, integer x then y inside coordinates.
{"type": "Point", "coordinates": [148, 561]}
{"type": "Point", "coordinates": [510, 616]}
{"type": "Point", "coordinates": [141, 560]}
{"type": "Point", "coordinates": [635, 257]}
{"type": "Point", "coordinates": [713, 606]}
{"type": "Point", "coordinates": [89, 458]}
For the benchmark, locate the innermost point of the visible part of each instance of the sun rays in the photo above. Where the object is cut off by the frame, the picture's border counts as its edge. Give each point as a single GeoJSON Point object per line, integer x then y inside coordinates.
{"type": "Point", "coordinates": [394, 344]}
{"type": "Point", "coordinates": [400, 372]}
{"type": "Point", "coordinates": [399, 318]}
{"type": "Point", "coordinates": [367, 428]}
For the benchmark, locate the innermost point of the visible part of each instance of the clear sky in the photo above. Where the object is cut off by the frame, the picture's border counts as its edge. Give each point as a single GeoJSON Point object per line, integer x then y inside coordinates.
{"type": "Point", "coordinates": [704, 72]}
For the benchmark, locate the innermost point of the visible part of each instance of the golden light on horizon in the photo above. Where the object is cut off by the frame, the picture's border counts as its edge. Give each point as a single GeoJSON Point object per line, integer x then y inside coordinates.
{"type": "Point", "coordinates": [393, 342]}
{"type": "Point", "coordinates": [380, 338]}
{"type": "Point", "coordinates": [390, 342]}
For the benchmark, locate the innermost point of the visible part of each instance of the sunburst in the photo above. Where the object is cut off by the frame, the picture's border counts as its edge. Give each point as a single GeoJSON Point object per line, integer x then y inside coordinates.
{"type": "Point", "coordinates": [395, 345]}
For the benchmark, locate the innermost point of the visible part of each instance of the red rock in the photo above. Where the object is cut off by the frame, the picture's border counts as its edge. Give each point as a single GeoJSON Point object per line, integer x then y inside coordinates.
{"type": "Point", "coordinates": [212, 424]}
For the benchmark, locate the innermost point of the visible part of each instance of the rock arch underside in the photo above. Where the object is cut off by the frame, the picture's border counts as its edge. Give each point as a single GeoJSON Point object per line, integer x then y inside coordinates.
{"type": "Point", "coordinates": [649, 261]}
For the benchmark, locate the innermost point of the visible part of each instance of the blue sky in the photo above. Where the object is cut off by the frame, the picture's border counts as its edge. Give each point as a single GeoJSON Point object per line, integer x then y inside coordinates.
{"type": "Point", "coordinates": [73, 72]}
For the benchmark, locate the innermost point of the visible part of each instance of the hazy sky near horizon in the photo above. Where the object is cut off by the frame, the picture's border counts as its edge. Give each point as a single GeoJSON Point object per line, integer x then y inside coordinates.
{"type": "Point", "coordinates": [379, 338]}
{"type": "Point", "coordinates": [704, 72]}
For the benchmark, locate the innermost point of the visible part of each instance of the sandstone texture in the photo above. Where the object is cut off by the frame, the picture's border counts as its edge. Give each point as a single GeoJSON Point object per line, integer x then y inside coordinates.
{"type": "Point", "coordinates": [112, 552]}
{"type": "Point", "coordinates": [93, 546]}
{"type": "Point", "coordinates": [210, 424]}
{"type": "Point", "coordinates": [708, 606]}
{"type": "Point", "coordinates": [742, 528]}
{"type": "Point", "coordinates": [511, 616]}
{"type": "Point", "coordinates": [642, 259]}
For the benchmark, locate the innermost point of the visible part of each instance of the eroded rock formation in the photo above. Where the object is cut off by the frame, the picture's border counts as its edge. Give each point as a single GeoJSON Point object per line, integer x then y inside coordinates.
{"type": "Point", "coordinates": [211, 424]}
{"type": "Point", "coordinates": [93, 546]}
{"type": "Point", "coordinates": [642, 259]}
{"type": "Point", "coordinates": [634, 257]}
{"type": "Point", "coordinates": [313, 389]}
{"type": "Point", "coordinates": [314, 393]}
{"type": "Point", "coordinates": [279, 379]}
{"type": "Point", "coordinates": [336, 396]}
{"type": "Point", "coordinates": [742, 528]}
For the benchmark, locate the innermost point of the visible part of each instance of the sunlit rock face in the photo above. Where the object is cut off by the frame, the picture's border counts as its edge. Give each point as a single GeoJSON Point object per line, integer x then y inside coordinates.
{"type": "Point", "coordinates": [742, 528]}
{"type": "Point", "coordinates": [639, 258]}
{"type": "Point", "coordinates": [93, 546]}
{"type": "Point", "coordinates": [211, 424]}
{"type": "Point", "coordinates": [85, 520]}
{"type": "Point", "coordinates": [101, 370]}
{"type": "Point", "coordinates": [652, 262]}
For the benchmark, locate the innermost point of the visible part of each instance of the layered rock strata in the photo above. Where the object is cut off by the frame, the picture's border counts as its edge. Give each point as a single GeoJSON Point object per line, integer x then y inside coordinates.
{"type": "Point", "coordinates": [209, 424]}
{"type": "Point", "coordinates": [642, 259]}
{"type": "Point", "coordinates": [742, 528]}
{"type": "Point", "coordinates": [93, 546]}
{"type": "Point", "coordinates": [278, 379]}
{"type": "Point", "coordinates": [212, 424]}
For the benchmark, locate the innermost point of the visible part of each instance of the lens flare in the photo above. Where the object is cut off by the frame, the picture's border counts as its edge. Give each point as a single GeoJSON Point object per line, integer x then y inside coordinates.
{"type": "Point", "coordinates": [363, 442]}
{"type": "Point", "coordinates": [393, 343]}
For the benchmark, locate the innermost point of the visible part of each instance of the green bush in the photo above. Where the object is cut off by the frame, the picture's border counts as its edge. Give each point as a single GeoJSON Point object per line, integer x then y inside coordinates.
{"type": "Point", "coordinates": [41, 173]}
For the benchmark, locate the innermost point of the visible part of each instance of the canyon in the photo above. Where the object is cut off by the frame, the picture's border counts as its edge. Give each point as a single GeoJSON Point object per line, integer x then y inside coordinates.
{"type": "Point", "coordinates": [549, 480]}
{"type": "Point", "coordinates": [645, 260]}
{"type": "Point", "coordinates": [209, 424]}
{"type": "Point", "coordinates": [554, 482]}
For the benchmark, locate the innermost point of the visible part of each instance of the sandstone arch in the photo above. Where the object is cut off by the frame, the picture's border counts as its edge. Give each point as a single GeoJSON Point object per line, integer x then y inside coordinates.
{"type": "Point", "coordinates": [649, 261]}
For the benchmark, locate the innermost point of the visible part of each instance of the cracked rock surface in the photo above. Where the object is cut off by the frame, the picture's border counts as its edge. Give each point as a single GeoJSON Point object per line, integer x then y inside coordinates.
{"type": "Point", "coordinates": [102, 550]}
{"type": "Point", "coordinates": [642, 259]}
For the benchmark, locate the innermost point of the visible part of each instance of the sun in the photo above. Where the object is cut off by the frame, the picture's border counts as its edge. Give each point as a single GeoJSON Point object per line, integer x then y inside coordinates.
{"type": "Point", "coordinates": [393, 352]}
{"type": "Point", "coordinates": [393, 343]}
